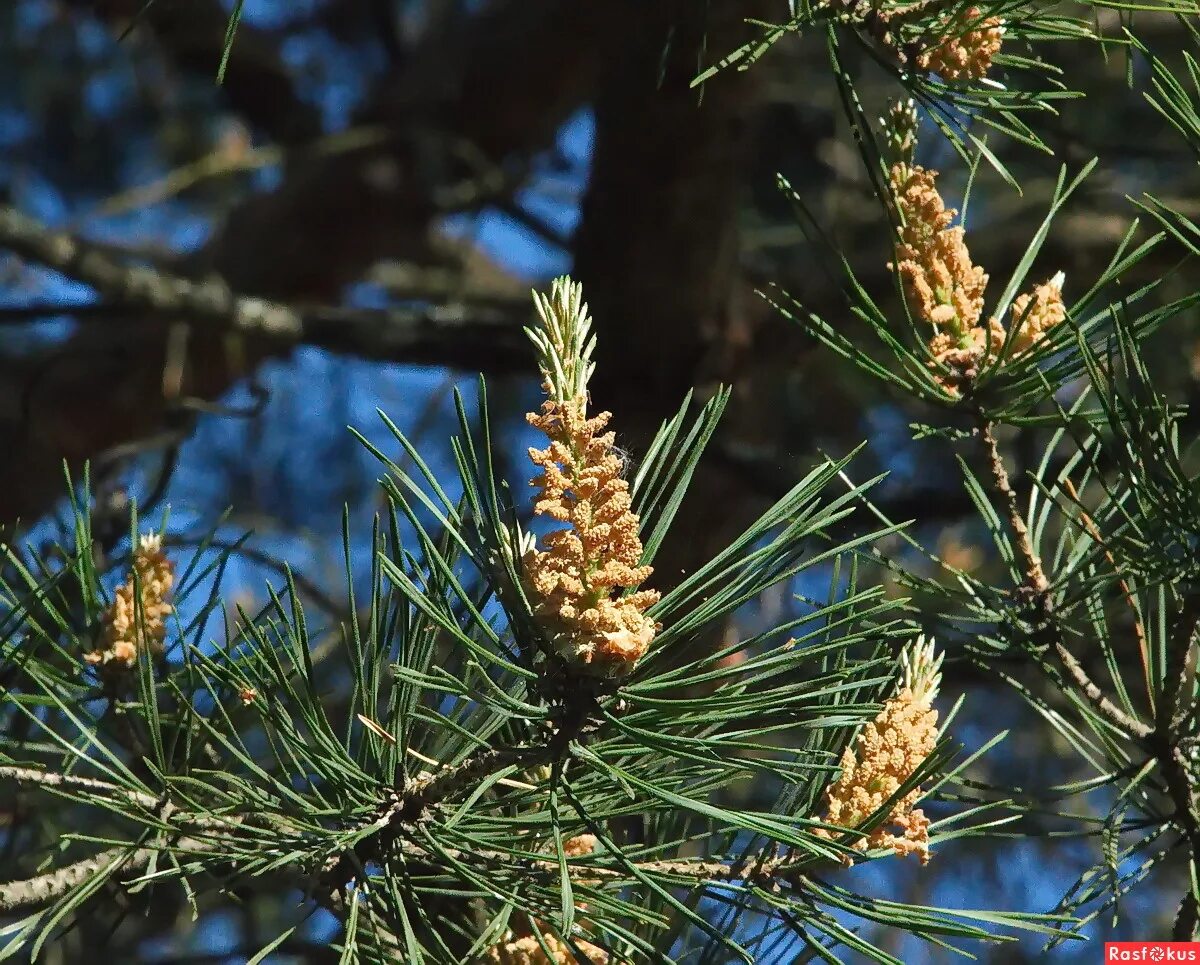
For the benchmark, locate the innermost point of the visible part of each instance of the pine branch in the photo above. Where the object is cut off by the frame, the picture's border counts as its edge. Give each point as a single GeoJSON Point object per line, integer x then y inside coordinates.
{"type": "Point", "coordinates": [490, 334]}
{"type": "Point", "coordinates": [1038, 587]}
{"type": "Point", "coordinates": [30, 776]}
{"type": "Point", "coordinates": [52, 885]}
{"type": "Point", "coordinates": [46, 888]}
{"type": "Point", "coordinates": [410, 804]}
{"type": "Point", "coordinates": [425, 793]}
{"type": "Point", "coordinates": [1160, 741]}
{"type": "Point", "coordinates": [1035, 577]}
{"type": "Point", "coordinates": [43, 889]}
{"type": "Point", "coordinates": [49, 887]}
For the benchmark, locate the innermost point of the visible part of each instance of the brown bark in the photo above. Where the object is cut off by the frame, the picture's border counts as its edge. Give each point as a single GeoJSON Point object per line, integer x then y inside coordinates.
{"type": "Point", "coordinates": [501, 83]}
{"type": "Point", "coordinates": [658, 247]}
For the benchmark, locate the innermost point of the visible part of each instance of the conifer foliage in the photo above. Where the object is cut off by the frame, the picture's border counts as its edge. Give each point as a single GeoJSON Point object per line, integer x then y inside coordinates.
{"type": "Point", "coordinates": [546, 755]}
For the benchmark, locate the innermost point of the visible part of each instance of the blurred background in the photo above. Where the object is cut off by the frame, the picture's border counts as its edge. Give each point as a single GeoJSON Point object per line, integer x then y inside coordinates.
{"type": "Point", "coordinates": [399, 174]}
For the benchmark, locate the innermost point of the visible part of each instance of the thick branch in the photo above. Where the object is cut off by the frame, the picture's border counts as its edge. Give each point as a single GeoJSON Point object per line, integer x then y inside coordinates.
{"type": "Point", "coordinates": [1173, 761]}
{"type": "Point", "coordinates": [1177, 775]}
{"type": "Point", "coordinates": [490, 336]}
{"type": "Point", "coordinates": [1172, 707]}
{"type": "Point", "coordinates": [482, 83]}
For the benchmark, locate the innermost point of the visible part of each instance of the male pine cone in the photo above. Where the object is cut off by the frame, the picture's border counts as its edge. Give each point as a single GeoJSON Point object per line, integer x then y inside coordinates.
{"type": "Point", "coordinates": [578, 578]}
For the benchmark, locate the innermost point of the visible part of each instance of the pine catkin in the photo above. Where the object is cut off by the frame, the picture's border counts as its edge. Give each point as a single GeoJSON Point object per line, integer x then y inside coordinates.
{"type": "Point", "coordinates": [1036, 313]}
{"type": "Point", "coordinates": [126, 631]}
{"type": "Point", "coordinates": [942, 286]}
{"type": "Point", "coordinates": [521, 947]}
{"type": "Point", "coordinates": [885, 754]}
{"type": "Point", "coordinates": [970, 43]}
{"type": "Point", "coordinates": [578, 578]}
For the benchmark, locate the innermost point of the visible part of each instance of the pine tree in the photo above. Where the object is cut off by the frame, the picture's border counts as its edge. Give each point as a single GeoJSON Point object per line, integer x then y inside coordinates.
{"type": "Point", "coordinates": [544, 757]}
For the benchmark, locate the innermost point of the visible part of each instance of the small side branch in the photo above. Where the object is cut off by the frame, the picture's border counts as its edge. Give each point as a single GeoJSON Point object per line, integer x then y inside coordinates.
{"type": "Point", "coordinates": [426, 792]}
{"type": "Point", "coordinates": [1160, 741]}
{"type": "Point", "coordinates": [53, 781]}
{"type": "Point", "coordinates": [1114, 714]}
{"type": "Point", "coordinates": [1035, 576]}
{"type": "Point", "coordinates": [1038, 585]}
{"type": "Point", "coordinates": [49, 887]}
{"type": "Point", "coordinates": [409, 805]}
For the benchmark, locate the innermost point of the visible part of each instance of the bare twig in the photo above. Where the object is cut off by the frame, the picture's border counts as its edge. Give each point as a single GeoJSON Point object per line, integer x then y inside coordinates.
{"type": "Point", "coordinates": [227, 160]}
{"type": "Point", "coordinates": [1035, 577]}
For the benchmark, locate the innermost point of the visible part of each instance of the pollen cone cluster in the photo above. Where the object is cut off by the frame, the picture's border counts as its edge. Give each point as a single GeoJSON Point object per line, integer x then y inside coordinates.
{"type": "Point", "coordinates": [521, 947]}
{"type": "Point", "coordinates": [971, 42]}
{"type": "Point", "coordinates": [126, 630]}
{"type": "Point", "coordinates": [886, 753]}
{"type": "Point", "coordinates": [943, 287]}
{"type": "Point", "coordinates": [941, 283]}
{"type": "Point", "coordinates": [1034, 314]}
{"type": "Point", "coordinates": [577, 578]}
